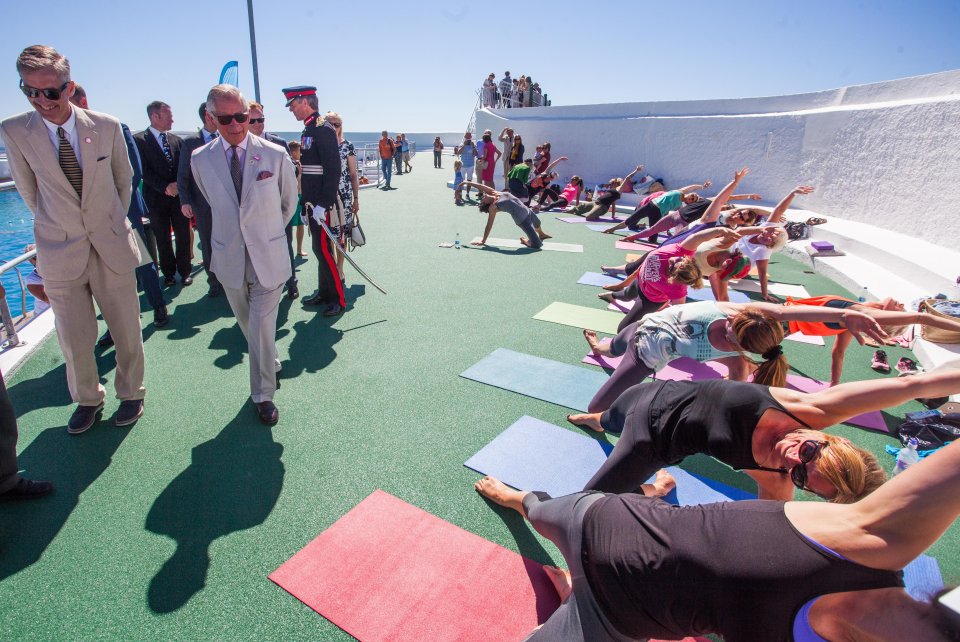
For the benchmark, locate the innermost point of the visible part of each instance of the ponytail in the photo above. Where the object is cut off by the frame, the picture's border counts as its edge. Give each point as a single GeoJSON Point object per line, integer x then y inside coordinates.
{"type": "Point", "coordinates": [759, 333]}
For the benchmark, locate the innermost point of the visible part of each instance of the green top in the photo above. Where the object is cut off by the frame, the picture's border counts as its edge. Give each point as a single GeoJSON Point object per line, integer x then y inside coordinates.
{"type": "Point", "coordinates": [521, 172]}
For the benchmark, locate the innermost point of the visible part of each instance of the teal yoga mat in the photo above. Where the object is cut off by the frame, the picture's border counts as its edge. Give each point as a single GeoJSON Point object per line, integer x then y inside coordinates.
{"type": "Point", "coordinates": [544, 379]}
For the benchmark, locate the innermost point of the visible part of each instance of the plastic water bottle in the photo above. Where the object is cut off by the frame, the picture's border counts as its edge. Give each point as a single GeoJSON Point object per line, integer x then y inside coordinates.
{"type": "Point", "coordinates": [907, 457]}
{"type": "Point", "coordinates": [863, 294]}
{"type": "Point", "coordinates": [456, 242]}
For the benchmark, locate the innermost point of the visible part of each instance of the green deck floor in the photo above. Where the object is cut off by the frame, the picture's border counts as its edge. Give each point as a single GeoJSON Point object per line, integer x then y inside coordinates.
{"type": "Point", "coordinates": [168, 530]}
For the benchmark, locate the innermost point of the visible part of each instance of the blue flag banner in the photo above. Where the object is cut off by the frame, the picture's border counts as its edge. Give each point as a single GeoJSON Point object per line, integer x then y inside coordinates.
{"type": "Point", "coordinates": [230, 74]}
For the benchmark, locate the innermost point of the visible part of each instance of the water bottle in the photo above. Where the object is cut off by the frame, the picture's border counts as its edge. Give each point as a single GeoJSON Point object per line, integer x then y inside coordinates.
{"type": "Point", "coordinates": [863, 294]}
{"type": "Point", "coordinates": [456, 243]}
{"type": "Point", "coordinates": [907, 457]}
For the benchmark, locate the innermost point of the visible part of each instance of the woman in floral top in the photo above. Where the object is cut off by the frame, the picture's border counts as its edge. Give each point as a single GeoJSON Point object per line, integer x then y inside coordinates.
{"type": "Point", "coordinates": [349, 188]}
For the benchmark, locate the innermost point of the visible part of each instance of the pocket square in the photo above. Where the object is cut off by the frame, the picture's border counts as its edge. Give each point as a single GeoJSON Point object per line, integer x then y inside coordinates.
{"type": "Point", "coordinates": [264, 175]}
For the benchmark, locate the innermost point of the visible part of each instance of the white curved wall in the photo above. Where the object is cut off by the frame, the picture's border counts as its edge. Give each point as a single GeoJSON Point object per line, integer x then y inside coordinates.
{"type": "Point", "coordinates": [886, 154]}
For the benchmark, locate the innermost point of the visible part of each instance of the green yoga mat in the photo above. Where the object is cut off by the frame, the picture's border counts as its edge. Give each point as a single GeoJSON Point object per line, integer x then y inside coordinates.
{"type": "Point", "coordinates": [579, 316]}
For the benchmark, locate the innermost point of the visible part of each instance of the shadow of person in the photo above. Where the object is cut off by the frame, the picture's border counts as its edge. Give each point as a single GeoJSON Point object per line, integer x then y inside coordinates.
{"type": "Point", "coordinates": [232, 483]}
{"type": "Point", "coordinates": [311, 347]}
{"type": "Point", "coordinates": [46, 391]}
{"type": "Point", "coordinates": [28, 528]}
{"type": "Point", "coordinates": [186, 319]}
{"type": "Point", "coordinates": [233, 344]}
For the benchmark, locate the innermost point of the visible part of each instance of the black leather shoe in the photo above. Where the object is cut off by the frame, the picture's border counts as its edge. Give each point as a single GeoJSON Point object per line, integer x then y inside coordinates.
{"type": "Point", "coordinates": [105, 341]}
{"type": "Point", "coordinates": [333, 310]}
{"type": "Point", "coordinates": [293, 293]}
{"type": "Point", "coordinates": [267, 412]}
{"type": "Point", "coordinates": [316, 299]}
{"type": "Point", "coordinates": [160, 317]}
{"type": "Point", "coordinates": [186, 281]}
{"type": "Point", "coordinates": [215, 291]}
{"type": "Point", "coordinates": [83, 419]}
{"type": "Point", "coordinates": [130, 410]}
{"type": "Point", "coordinates": [27, 489]}
{"type": "Point", "coordinates": [169, 281]}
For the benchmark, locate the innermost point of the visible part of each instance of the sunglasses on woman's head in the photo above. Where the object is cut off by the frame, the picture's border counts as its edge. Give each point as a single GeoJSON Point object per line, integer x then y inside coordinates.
{"type": "Point", "coordinates": [809, 450]}
{"type": "Point", "coordinates": [227, 118]}
{"type": "Point", "coordinates": [50, 93]}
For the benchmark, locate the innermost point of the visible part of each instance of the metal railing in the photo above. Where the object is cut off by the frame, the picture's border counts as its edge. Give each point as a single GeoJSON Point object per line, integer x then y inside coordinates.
{"type": "Point", "coordinates": [368, 161]}
{"type": "Point", "coordinates": [9, 324]}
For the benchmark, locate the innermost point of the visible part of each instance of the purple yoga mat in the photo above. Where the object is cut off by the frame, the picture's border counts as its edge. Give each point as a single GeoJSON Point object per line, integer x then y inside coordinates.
{"type": "Point", "coordinates": [627, 245]}
{"type": "Point", "coordinates": [580, 219]}
{"type": "Point", "coordinates": [603, 362]}
{"type": "Point", "coordinates": [621, 306]}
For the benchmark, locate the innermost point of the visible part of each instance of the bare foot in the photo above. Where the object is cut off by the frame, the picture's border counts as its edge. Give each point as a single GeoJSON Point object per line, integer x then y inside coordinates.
{"type": "Point", "coordinates": [606, 296]}
{"type": "Point", "coordinates": [609, 230]}
{"type": "Point", "coordinates": [499, 493]}
{"type": "Point", "coordinates": [591, 338]}
{"type": "Point", "coordinates": [591, 421]}
{"type": "Point", "coordinates": [661, 486]}
{"type": "Point", "coordinates": [562, 582]}
{"type": "Point", "coordinates": [612, 271]}
{"type": "Point", "coordinates": [536, 208]}
{"type": "Point", "coordinates": [543, 235]}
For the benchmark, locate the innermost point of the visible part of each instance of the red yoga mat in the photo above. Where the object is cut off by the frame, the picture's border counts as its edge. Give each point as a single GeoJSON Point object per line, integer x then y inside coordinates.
{"type": "Point", "coordinates": [391, 571]}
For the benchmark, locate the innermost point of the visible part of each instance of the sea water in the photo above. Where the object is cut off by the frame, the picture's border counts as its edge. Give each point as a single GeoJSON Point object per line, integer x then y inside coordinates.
{"type": "Point", "coordinates": [16, 231]}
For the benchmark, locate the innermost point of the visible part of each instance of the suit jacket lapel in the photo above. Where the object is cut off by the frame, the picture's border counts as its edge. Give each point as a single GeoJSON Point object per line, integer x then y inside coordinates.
{"type": "Point", "coordinates": [89, 151]}
{"type": "Point", "coordinates": [219, 160]}
{"type": "Point", "coordinates": [251, 164]}
{"type": "Point", "coordinates": [39, 137]}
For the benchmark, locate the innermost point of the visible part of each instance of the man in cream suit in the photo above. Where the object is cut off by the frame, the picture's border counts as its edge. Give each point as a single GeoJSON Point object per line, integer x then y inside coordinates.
{"type": "Point", "coordinates": [252, 191]}
{"type": "Point", "coordinates": [71, 168]}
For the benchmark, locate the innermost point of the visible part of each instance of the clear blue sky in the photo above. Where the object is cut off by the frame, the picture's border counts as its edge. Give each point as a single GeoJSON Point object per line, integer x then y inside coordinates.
{"type": "Point", "coordinates": [415, 66]}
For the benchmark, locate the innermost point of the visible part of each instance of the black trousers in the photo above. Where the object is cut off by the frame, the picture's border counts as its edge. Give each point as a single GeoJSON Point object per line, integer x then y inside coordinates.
{"type": "Point", "coordinates": [330, 288]}
{"type": "Point", "coordinates": [164, 215]}
{"type": "Point", "coordinates": [204, 230]}
{"type": "Point", "coordinates": [9, 473]}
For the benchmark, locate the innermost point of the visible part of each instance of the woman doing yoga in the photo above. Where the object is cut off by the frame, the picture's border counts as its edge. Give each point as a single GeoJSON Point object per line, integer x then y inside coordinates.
{"type": "Point", "coordinates": [658, 204]}
{"type": "Point", "coordinates": [719, 331]}
{"type": "Point", "coordinates": [559, 200]}
{"type": "Point", "coordinates": [753, 570]}
{"type": "Point", "coordinates": [493, 201]}
{"type": "Point", "coordinates": [605, 199]}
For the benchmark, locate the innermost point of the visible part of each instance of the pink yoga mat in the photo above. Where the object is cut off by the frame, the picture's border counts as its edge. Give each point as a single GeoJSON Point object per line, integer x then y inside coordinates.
{"type": "Point", "coordinates": [642, 247]}
{"type": "Point", "coordinates": [390, 571]}
{"type": "Point", "coordinates": [580, 219]}
{"type": "Point", "coordinates": [621, 306]}
{"type": "Point", "coordinates": [603, 362]}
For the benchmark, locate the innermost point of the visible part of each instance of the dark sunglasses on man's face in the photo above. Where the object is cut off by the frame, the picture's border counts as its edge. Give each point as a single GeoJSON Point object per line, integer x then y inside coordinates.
{"type": "Point", "coordinates": [809, 450]}
{"type": "Point", "coordinates": [254, 121]}
{"type": "Point", "coordinates": [227, 118]}
{"type": "Point", "coordinates": [51, 93]}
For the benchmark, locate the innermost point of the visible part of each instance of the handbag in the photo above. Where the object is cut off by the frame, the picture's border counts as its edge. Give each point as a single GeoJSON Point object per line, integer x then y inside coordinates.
{"type": "Point", "coordinates": [937, 335]}
{"type": "Point", "coordinates": [357, 237]}
{"type": "Point", "coordinates": [932, 431]}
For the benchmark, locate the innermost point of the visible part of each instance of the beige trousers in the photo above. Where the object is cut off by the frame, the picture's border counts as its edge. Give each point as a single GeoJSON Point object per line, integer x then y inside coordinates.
{"type": "Point", "coordinates": [76, 323]}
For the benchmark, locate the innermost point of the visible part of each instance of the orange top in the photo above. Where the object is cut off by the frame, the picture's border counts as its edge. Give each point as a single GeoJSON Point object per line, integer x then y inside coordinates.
{"type": "Point", "coordinates": [815, 328]}
{"type": "Point", "coordinates": [386, 148]}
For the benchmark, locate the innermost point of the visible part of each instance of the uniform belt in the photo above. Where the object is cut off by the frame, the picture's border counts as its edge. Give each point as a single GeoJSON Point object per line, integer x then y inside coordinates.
{"type": "Point", "coordinates": [312, 169]}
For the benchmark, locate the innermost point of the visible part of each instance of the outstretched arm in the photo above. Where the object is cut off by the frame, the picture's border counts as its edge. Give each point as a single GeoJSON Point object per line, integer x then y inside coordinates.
{"type": "Point", "coordinates": [626, 178]}
{"type": "Point", "coordinates": [858, 322]}
{"type": "Point", "coordinates": [721, 199]}
{"type": "Point", "coordinates": [693, 241]}
{"type": "Point", "coordinates": [745, 197]}
{"type": "Point", "coordinates": [486, 190]}
{"type": "Point", "coordinates": [782, 206]}
{"type": "Point", "coordinates": [554, 164]}
{"type": "Point", "coordinates": [695, 187]}
{"type": "Point", "coordinates": [894, 524]}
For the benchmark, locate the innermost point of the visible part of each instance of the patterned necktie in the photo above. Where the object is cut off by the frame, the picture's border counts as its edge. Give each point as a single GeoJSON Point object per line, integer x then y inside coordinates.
{"type": "Point", "coordinates": [236, 172]}
{"type": "Point", "coordinates": [166, 148]}
{"type": "Point", "coordinates": [68, 162]}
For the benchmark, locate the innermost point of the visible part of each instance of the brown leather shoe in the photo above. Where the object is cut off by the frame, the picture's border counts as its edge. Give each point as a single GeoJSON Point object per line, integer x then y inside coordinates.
{"type": "Point", "coordinates": [267, 412]}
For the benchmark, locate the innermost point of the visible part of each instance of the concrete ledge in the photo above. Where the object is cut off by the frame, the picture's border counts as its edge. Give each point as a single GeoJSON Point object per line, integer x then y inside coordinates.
{"type": "Point", "coordinates": [32, 335]}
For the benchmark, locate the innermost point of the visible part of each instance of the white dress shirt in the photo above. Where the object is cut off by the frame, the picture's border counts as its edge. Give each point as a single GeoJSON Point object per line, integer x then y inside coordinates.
{"type": "Point", "coordinates": [69, 129]}
{"type": "Point", "coordinates": [241, 149]}
{"type": "Point", "coordinates": [156, 134]}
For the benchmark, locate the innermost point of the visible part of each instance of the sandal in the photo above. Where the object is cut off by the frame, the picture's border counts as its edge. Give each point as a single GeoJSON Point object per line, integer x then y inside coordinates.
{"type": "Point", "coordinates": [816, 220]}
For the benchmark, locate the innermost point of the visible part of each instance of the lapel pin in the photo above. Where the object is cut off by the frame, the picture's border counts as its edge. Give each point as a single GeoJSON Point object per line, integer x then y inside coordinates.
{"type": "Point", "coordinates": [88, 140]}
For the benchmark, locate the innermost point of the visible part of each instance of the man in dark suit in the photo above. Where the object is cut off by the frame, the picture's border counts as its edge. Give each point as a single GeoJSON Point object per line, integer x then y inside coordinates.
{"type": "Point", "coordinates": [147, 275]}
{"type": "Point", "coordinates": [192, 203]}
{"type": "Point", "coordinates": [257, 127]}
{"type": "Point", "coordinates": [160, 155]}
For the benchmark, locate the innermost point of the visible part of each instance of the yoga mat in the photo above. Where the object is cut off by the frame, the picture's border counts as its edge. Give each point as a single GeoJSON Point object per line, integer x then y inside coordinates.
{"type": "Point", "coordinates": [640, 247]}
{"type": "Point", "coordinates": [609, 363]}
{"type": "Point", "coordinates": [922, 578]}
{"type": "Point", "coordinates": [580, 219]}
{"type": "Point", "coordinates": [632, 257]}
{"type": "Point", "coordinates": [803, 338]}
{"type": "Point", "coordinates": [604, 226]}
{"type": "Point", "coordinates": [536, 455]}
{"type": "Point", "coordinates": [579, 316]}
{"type": "Point", "coordinates": [621, 306]}
{"type": "Point", "coordinates": [599, 280]}
{"type": "Point", "coordinates": [552, 381]}
{"type": "Point", "coordinates": [782, 289]}
{"type": "Point", "coordinates": [388, 570]}
{"type": "Point", "coordinates": [871, 420]}
{"type": "Point", "coordinates": [547, 245]}
{"type": "Point", "coordinates": [706, 294]}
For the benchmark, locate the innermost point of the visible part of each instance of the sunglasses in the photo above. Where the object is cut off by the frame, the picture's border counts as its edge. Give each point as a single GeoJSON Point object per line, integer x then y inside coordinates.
{"type": "Point", "coordinates": [51, 93]}
{"type": "Point", "coordinates": [254, 121]}
{"type": "Point", "coordinates": [226, 119]}
{"type": "Point", "coordinates": [809, 450]}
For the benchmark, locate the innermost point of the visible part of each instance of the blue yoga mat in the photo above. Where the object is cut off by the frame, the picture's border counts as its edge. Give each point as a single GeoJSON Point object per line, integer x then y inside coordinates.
{"type": "Point", "coordinates": [706, 294]}
{"type": "Point", "coordinates": [536, 455]}
{"type": "Point", "coordinates": [559, 383]}
{"type": "Point", "coordinates": [599, 280]}
{"type": "Point", "coordinates": [922, 578]}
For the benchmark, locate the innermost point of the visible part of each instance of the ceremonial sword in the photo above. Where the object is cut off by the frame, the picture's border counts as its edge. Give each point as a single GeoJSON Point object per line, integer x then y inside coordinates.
{"type": "Point", "coordinates": [329, 233]}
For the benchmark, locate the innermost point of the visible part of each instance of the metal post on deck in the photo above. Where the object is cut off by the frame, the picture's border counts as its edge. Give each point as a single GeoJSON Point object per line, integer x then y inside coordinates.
{"type": "Point", "coordinates": [253, 50]}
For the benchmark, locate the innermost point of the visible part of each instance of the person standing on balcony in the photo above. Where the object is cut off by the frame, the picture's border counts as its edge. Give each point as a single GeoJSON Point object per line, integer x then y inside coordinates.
{"type": "Point", "coordinates": [72, 170]}
{"type": "Point", "coordinates": [489, 90]}
{"type": "Point", "coordinates": [506, 89]}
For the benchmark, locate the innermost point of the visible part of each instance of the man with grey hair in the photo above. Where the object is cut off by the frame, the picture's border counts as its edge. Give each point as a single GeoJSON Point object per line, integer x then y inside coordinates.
{"type": "Point", "coordinates": [251, 187]}
{"type": "Point", "coordinates": [71, 167]}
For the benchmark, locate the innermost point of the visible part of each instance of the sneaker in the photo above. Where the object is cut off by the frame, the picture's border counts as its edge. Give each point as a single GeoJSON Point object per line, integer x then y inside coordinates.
{"type": "Point", "coordinates": [907, 366]}
{"type": "Point", "coordinates": [879, 362]}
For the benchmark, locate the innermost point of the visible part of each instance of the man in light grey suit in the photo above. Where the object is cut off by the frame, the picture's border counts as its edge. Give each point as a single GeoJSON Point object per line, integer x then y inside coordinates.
{"type": "Point", "coordinates": [71, 168]}
{"type": "Point", "coordinates": [252, 191]}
